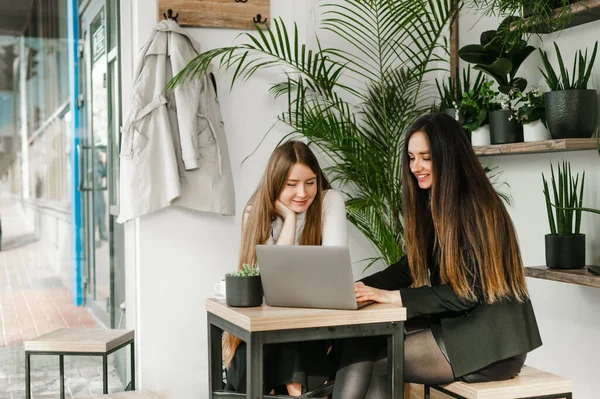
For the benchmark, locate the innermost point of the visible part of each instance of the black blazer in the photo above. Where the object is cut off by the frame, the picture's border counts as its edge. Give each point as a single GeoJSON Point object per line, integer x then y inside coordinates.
{"type": "Point", "coordinates": [475, 334]}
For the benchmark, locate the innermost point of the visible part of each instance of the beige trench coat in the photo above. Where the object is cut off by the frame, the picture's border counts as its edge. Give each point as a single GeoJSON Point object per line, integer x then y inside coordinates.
{"type": "Point", "coordinates": [173, 148]}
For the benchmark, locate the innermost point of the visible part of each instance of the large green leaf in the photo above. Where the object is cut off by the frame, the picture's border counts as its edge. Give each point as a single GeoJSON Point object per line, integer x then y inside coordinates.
{"type": "Point", "coordinates": [476, 54]}
{"type": "Point", "coordinates": [519, 57]}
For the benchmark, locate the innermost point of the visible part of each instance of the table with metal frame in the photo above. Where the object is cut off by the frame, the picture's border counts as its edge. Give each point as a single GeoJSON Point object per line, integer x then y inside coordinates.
{"type": "Point", "coordinates": [269, 325]}
{"type": "Point", "coordinates": [79, 342]}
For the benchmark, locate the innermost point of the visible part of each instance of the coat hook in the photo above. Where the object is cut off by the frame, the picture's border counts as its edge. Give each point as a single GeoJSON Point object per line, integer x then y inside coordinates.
{"type": "Point", "coordinates": [258, 19]}
{"type": "Point", "coordinates": [241, 1]}
{"type": "Point", "coordinates": [169, 15]}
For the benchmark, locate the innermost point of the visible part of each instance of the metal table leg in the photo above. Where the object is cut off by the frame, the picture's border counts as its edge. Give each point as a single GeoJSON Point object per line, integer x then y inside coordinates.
{"type": "Point", "coordinates": [254, 366]}
{"type": "Point", "coordinates": [396, 362]}
{"type": "Point", "coordinates": [105, 374]}
{"type": "Point", "coordinates": [215, 356]}
{"type": "Point", "coordinates": [27, 375]}
{"type": "Point", "coordinates": [132, 365]}
{"type": "Point", "coordinates": [61, 367]}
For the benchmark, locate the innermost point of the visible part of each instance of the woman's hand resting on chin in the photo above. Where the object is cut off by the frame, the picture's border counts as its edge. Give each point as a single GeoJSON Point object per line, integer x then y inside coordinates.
{"type": "Point", "coordinates": [283, 210]}
{"type": "Point", "coordinates": [366, 293]}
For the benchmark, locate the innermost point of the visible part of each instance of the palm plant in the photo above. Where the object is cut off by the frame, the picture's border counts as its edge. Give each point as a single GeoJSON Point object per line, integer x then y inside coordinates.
{"type": "Point", "coordinates": [395, 44]}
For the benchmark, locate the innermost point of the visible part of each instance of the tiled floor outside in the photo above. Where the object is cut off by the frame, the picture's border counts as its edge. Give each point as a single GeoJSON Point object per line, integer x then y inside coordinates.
{"type": "Point", "coordinates": [34, 301]}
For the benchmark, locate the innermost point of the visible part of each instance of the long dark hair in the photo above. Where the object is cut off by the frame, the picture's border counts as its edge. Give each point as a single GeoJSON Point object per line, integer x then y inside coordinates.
{"type": "Point", "coordinates": [474, 235]}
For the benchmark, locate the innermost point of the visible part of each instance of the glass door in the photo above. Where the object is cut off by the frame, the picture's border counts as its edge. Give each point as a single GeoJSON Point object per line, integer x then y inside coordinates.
{"type": "Point", "coordinates": [100, 120]}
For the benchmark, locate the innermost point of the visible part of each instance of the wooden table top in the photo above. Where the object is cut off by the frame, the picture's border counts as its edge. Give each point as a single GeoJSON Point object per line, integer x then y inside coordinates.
{"type": "Point", "coordinates": [91, 340]}
{"type": "Point", "coordinates": [267, 318]}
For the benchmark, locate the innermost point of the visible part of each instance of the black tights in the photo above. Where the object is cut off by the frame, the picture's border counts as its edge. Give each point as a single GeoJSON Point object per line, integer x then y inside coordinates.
{"type": "Point", "coordinates": [363, 365]}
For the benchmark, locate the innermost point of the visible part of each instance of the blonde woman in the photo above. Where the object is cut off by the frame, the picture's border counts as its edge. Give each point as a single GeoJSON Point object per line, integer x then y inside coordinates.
{"type": "Point", "coordinates": [292, 205]}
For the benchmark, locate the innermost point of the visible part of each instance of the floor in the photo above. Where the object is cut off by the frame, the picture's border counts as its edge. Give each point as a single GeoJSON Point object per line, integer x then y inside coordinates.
{"type": "Point", "coordinates": [33, 301]}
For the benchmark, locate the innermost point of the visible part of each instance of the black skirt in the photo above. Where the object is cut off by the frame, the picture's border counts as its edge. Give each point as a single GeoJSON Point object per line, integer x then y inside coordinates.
{"type": "Point", "coordinates": [306, 363]}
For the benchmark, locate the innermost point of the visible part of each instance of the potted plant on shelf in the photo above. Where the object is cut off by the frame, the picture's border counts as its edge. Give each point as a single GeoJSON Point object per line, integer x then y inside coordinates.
{"type": "Point", "coordinates": [451, 93]}
{"type": "Point", "coordinates": [531, 112]}
{"type": "Point", "coordinates": [501, 61]}
{"type": "Point", "coordinates": [565, 246]}
{"type": "Point", "coordinates": [244, 287]}
{"type": "Point", "coordinates": [571, 108]}
{"type": "Point", "coordinates": [539, 16]}
{"type": "Point", "coordinates": [475, 106]}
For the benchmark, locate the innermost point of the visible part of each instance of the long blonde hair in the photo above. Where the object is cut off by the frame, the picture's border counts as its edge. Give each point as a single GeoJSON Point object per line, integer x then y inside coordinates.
{"type": "Point", "coordinates": [256, 229]}
{"type": "Point", "coordinates": [476, 241]}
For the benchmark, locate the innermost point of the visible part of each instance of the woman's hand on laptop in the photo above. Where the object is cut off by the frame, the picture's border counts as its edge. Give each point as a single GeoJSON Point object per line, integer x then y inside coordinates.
{"type": "Point", "coordinates": [367, 293]}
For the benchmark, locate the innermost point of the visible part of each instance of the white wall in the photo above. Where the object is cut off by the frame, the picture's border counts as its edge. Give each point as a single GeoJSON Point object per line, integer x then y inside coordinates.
{"type": "Point", "coordinates": [173, 257]}
{"type": "Point", "coordinates": [567, 314]}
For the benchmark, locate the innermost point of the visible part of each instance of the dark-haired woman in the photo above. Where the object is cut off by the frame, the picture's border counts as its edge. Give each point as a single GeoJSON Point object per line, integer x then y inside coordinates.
{"type": "Point", "coordinates": [462, 281]}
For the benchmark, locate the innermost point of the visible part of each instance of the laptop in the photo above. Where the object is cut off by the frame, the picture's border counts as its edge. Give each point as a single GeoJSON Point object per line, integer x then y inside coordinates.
{"type": "Point", "coordinates": [307, 276]}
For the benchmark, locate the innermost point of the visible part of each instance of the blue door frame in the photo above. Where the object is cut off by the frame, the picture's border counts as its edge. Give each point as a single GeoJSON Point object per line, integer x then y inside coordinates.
{"type": "Point", "coordinates": [76, 233]}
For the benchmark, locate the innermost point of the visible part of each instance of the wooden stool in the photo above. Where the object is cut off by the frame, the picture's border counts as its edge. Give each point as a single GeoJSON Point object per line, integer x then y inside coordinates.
{"type": "Point", "coordinates": [531, 383]}
{"type": "Point", "coordinates": [127, 395]}
{"type": "Point", "coordinates": [79, 342]}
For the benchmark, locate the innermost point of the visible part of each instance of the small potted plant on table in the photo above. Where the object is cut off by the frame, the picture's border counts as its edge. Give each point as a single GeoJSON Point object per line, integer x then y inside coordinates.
{"type": "Point", "coordinates": [565, 246]}
{"type": "Point", "coordinates": [244, 287]}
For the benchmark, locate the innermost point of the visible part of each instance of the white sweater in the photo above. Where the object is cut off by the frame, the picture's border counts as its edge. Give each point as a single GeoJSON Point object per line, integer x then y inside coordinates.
{"type": "Point", "coordinates": [334, 222]}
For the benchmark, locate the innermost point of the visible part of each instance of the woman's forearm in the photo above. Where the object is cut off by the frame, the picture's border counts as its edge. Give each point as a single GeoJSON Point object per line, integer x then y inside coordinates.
{"type": "Point", "coordinates": [287, 236]}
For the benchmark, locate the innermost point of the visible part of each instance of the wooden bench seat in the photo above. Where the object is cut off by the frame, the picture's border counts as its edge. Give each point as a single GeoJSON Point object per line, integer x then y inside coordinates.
{"type": "Point", "coordinates": [530, 383]}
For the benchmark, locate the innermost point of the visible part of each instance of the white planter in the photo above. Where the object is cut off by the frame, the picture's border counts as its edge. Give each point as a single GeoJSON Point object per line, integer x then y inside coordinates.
{"type": "Point", "coordinates": [481, 136]}
{"type": "Point", "coordinates": [536, 131]}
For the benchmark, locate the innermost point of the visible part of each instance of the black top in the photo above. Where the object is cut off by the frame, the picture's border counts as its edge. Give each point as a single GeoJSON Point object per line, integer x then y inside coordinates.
{"type": "Point", "coordinates": [475, 334]}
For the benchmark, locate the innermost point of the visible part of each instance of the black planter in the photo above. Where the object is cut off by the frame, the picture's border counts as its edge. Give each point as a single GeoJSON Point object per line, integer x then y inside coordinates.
{"type": "Point", "coordinates": [565, 252]}
{"type": "Point", "coordinates": [571, 113]}
{"type": "Point", "coordinates": [243, 291]}
{"type": "Point", "coordinates": [452, 113]}
{"type": "Point", "coordinates": [503, 130]}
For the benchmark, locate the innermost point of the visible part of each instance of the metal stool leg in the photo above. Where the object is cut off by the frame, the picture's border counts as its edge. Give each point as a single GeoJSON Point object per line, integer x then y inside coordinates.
{"type": "Point", "coordinates": [132, 366]}
{"type": "Point", "coordinates": [105, 374]}
{"type": "Point", "coordinates": [27, 375]}
{"type": "Point", "coordinates": [61, 367]}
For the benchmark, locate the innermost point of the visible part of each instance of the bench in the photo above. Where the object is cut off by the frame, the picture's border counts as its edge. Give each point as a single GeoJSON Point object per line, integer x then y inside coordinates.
{"type": "Point", "coordinates": [529, 384]}
{"type": "Point", "coordinates": [127, 395]}
{"type": "Point", "coordinates": [79, 342]}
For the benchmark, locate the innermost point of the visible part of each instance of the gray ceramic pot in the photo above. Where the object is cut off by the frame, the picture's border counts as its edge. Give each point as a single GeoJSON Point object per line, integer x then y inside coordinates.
{"type": "Point", "coordinates": [504, 130]}
{"type": "Point", "coordinates": [452, 113]}
{"type": "Point", "coordinates": [571, 113]}
{"type": "Point", "coordinates": [243, 291]}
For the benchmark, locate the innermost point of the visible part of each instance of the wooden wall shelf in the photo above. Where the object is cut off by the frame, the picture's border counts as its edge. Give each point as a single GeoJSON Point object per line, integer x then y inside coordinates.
{"type": "Point", "coordinates": [536, 146]}
{"type": "Point", "coordinates": [582, 12]}
{"type": "Point", "coordinates": [571, 276]}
